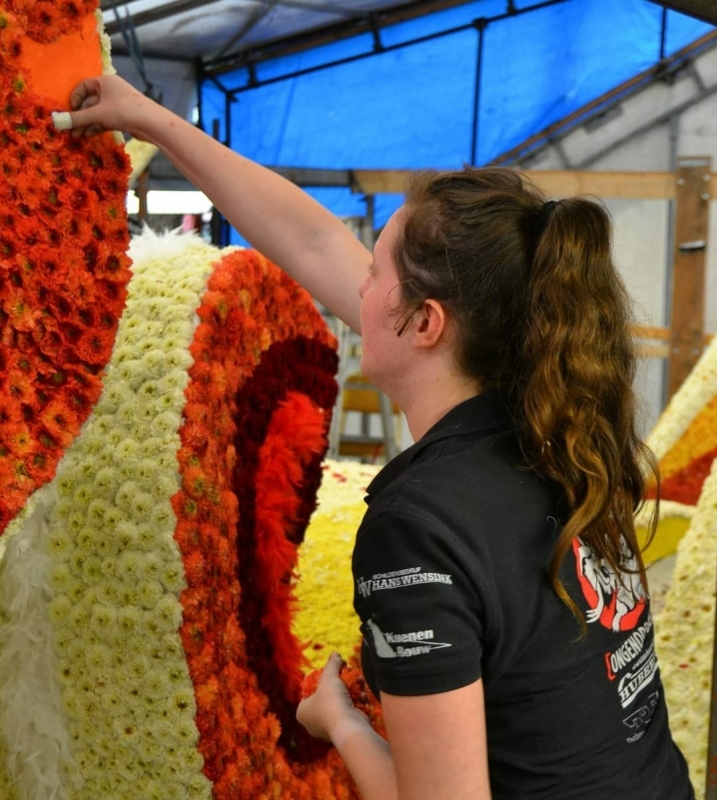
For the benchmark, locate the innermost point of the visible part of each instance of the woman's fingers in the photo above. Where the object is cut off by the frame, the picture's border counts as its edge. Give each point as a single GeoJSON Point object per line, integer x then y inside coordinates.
{"type": "Point", "coordinates": [334, 665]}
{"type": "Point", "coordinates": [105, 104]}
{"type": "Point", "coordinates": [87, 90]}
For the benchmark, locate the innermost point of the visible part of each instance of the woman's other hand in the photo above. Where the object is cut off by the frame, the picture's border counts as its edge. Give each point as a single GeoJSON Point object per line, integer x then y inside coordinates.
{"type": "Point", "coordinates": [329, 712]}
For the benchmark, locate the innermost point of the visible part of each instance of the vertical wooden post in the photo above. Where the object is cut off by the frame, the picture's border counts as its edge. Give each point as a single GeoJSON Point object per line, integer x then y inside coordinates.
{"type": "Point", "coordinates": [142, 191]}
{"type": "Point", "coordinates": [692, 199]}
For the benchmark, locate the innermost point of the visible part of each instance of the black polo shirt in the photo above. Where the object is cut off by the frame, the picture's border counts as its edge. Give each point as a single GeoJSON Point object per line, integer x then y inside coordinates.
{"type": "Point", "coordinates": [451, 585]}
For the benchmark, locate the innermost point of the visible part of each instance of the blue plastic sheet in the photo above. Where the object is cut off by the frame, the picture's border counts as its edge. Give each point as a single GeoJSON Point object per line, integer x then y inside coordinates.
{"type": "Point", "coordinates": [413, 106]}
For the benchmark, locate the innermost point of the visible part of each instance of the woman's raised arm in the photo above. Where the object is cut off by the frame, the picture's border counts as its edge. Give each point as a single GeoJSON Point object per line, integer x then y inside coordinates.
{"type": "Point", "coordinates": [278, 218]}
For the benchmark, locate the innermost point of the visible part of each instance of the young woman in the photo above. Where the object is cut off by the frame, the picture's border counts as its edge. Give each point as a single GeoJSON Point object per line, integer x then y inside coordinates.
{"type": "Point", "coordinates": [498, 579]}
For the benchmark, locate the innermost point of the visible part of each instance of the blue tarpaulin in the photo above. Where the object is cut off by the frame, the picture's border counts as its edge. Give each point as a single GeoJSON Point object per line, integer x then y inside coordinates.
{"type": "Point", "coordinates": [413, 106]}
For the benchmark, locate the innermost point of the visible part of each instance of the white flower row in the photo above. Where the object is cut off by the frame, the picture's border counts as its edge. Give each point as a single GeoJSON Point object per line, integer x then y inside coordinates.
{"type": "Point", "coordinates": [123, 724]}
{"type": "Point", "coordinates": [685, 633]}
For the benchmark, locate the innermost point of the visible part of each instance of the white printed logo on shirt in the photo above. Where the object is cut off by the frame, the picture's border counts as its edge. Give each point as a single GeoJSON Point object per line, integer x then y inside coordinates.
{"type": "Point", "coordinates": [415, 643]}
{"type": "Point", "coordinates": [400, 579]}
{"type": "Point", "coordinates": [616, 601]}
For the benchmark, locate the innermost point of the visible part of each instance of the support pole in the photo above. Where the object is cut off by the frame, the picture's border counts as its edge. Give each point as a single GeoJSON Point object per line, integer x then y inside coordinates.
{"type": "Point", "coordinates": [692, 203]}
{"type": "Point", "coordinates": [142, 191]}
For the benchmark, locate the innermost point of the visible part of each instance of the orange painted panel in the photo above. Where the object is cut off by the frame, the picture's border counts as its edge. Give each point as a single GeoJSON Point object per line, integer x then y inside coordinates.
{"type": "Point", "coordinates": [55, 69]}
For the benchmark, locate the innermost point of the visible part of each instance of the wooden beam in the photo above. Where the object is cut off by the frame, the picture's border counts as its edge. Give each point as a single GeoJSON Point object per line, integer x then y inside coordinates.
{"type": "Point", "coordinates": [651, 332]}
{"type": "Point", "coordinates": [555, 183]}
{"type": "Point", "coordinates": [142, 190]}
{"type": "Point", "coordinates": [629, 185]}
{"type": "Point", "coordinates": [653, 350]}
{"type": "Point", "coordinates": [692, 180]}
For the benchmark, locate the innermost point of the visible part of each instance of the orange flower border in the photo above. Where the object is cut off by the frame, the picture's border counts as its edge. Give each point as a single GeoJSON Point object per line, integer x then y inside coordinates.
{"type": "Point", "coordinates": [63, 267]}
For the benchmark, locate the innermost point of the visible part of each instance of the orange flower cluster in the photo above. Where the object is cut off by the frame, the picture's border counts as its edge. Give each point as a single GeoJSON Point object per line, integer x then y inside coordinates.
{"type": "Point", "coordinates": [63, 268]}
{"type": "Point", "coordinates": [257, 414]}
{"type": "Point", "coordinates": [685, 485]}
{"type": "Point", "coordinates": [685, 467]}
{"type": "Point", "coordinates": [47, 20]}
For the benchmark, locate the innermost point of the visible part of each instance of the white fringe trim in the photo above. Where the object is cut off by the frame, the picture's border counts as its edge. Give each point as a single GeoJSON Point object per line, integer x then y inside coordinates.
{"type": "Point", "coordinates": [31, 720]}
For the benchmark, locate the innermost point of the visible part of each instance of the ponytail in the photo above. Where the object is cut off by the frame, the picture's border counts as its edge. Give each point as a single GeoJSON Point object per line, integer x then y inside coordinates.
{"type": "Point", "coordinates": [575, 389]}
{"type": "Point", "coordinates": [541, 314]}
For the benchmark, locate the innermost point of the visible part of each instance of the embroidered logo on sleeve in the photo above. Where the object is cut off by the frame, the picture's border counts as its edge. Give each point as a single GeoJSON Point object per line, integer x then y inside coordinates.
{"type": "Point", "coordinates": [415, 643]}
{"type": "Point", "coordinates": [399, 579]}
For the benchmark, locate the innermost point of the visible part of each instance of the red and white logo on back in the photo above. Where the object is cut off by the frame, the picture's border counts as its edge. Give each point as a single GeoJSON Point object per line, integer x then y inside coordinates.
{"type": "Point", "coordinates": [616, 600]}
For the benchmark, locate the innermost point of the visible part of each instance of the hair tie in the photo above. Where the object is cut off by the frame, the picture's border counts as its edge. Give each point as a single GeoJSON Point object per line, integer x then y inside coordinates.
{"type": "Point", "coordinates": [548, 209]}
{"type": "Point", "coordinates": [543, 217]}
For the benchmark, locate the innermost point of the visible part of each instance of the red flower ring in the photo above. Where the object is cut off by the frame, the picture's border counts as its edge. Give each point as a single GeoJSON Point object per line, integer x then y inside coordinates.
{"type": "Point", "coordinates": [257, 415]}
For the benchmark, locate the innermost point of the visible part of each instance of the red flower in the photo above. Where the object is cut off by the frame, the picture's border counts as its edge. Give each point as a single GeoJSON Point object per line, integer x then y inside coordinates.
{"type": "Point", "coordinates": [59, 422]}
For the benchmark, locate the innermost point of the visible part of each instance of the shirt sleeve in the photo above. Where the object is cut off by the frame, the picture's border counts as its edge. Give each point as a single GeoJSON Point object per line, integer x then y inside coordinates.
{"type": "Point", "coordinates": [419, 605]}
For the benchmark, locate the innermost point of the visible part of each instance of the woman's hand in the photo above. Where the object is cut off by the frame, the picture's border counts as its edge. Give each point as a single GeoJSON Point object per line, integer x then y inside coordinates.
{"type": "Point", "coordinates": [109, 104]}
{"type": "Point", "coordinates": [329, 713]}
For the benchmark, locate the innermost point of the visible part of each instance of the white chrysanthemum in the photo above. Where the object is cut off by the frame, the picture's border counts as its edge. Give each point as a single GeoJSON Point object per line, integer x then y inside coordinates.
{"type": "Point", "coordinates": [113, 516]}
{"type": "Point", "coordinates": [685, 632]}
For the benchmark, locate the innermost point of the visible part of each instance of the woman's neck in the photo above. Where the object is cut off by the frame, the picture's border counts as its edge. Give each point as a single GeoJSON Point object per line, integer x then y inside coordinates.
{"type": "Point", "coordinates": [434, 398]}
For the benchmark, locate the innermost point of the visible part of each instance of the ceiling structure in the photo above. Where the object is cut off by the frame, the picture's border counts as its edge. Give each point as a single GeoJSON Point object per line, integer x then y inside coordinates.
{"type": "Point", "coordinates": [462, 106]}
{"type": "Point", "coordinates": [217, 31]}
{"type": "Point", "coordinates": [218, 35]}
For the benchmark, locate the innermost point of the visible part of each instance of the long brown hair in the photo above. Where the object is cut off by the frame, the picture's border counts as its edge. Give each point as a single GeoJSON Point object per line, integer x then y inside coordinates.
{"type": "Point", "coordinates": [542, 314]}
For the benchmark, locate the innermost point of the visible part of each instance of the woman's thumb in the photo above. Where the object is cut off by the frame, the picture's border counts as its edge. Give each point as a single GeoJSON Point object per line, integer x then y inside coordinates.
{"type": "Point", "coordinates": [62, 120]}
{"type": "Point", "coordinates": [334, 664]}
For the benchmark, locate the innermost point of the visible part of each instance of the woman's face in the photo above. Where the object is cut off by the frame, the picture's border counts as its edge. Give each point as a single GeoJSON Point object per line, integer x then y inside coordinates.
{"type": "Point", "coordinates": [383, 352]}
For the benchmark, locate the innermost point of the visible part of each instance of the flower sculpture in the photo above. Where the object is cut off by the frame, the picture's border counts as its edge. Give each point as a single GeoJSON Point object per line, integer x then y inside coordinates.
{"type": "Point", "coordinates": [161, 442]}
{"type": "Point", "coordinates": [168, 540]}
{"type": "Point", "coordinates": [685, 440]}
{"type": "Point", "coordinates": [63, 237]}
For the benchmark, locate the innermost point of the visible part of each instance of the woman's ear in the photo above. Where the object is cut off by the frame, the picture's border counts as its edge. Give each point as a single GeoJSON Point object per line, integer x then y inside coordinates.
{"type": "Point", "coordinates": [431, 324]}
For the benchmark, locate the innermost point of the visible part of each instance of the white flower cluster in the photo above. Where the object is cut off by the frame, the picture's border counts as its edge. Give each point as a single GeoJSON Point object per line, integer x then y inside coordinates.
{"type": "Point", "coordinates": [140, 154]}
{"type": "Point", "coordinates": [115, 571]}
{"type": "Point", "coordinates": [668, 509]}
{"type": "Point", "coordinates": [698, 389]}
{"type": "Point", "coordinates": [685, 633]}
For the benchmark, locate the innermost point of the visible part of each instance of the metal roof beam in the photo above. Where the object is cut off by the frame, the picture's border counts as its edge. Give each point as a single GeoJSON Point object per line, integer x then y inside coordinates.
{"type": "Point", "coordinates": [663, 71]}
{"type": "Point", "coordinates": [363, 24]}
{"type": "Point", "coordinates": [325, 34]}
{"type": "Point", "coordinates": [108, 5]}
{"type": "Point", "coordinates": [705, 10]}
{"type": "Point", "coordinates": [158, 13]}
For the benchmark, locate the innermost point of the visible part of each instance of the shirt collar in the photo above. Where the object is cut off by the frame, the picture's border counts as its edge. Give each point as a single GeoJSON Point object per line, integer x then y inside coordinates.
{"type": "Point", "coordinates": [485, 412]}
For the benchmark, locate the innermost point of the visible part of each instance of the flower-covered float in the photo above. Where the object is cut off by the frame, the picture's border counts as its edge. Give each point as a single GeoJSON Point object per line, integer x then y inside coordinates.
{"type": "Point", "coordinates": [161, 438]}
{"type": "Point", "coordinates": [157, 473]}
{"type": "Point", "coordinates": [685, 441]}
